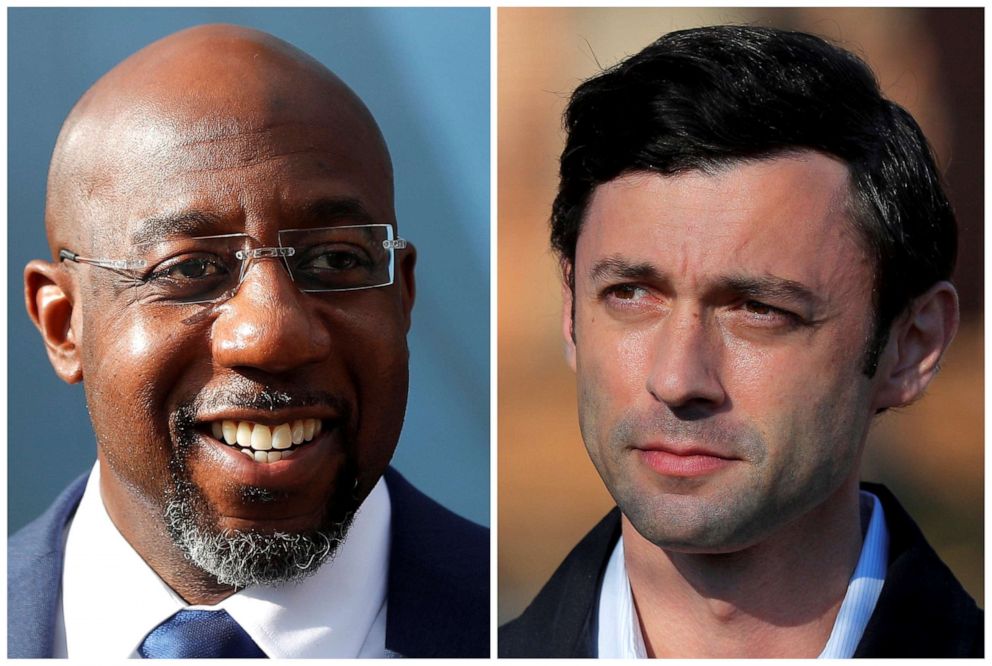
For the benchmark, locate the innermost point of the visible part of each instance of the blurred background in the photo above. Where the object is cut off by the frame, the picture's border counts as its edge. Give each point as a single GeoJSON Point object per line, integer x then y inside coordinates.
{"type": "Point", "coordinates": [424, 74]}
{"type": "Point", "coordinates": [931, 454]}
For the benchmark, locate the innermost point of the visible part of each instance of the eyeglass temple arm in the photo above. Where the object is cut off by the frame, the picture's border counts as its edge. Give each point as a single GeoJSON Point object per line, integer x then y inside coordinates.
{"type": "Point", "coordinates": [114, 264]}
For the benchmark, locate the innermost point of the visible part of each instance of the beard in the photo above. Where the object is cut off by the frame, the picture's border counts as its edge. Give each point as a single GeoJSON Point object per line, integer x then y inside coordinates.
{"type": "Point", "coordinates": [242, 558]}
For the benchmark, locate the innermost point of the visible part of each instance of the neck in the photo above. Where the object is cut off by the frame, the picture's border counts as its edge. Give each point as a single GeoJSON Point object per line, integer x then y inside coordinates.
{"type": "Point", "coordinates": [776, 598]}
{"type": "Point", "coordinates": [141, 524]}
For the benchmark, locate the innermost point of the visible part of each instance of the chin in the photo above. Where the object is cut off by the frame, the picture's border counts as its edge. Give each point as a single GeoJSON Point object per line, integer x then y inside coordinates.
{"type": "Point", "coordinates": [274, 537]}
{"type": "Point", "coordinates": [253, 552]}
{"type": "Point", "coordinates": [687, 525]}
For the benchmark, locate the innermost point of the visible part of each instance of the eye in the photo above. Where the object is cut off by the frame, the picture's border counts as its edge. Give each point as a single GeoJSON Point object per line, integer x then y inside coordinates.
{"type": "Point", "coordinates": [626, 292]}
{"type": "Point", "coordinates": [759, 308]}
{"type": "Point", "coordinates": [762, 314]}
{"type": "Point", "coordinates": [192, 268]}
{"type": "Point", "coordinates": [336, 260]}
{"type": "Point", "coordinates": [629, 299]}
{"type": "Point", "coordinates": [188, 278]}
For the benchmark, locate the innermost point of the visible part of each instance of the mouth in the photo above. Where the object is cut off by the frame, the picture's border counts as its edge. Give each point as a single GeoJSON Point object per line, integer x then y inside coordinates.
{"type": "Point", "coordinates": [685, 451]}
{"type": "Point", "coordinates": [267, 443]}
{"type": "Point", "coordinates": [684, 462]}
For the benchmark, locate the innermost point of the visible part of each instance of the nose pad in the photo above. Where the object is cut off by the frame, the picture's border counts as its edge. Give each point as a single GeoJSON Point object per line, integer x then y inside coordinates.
{"type": "Point", "coordinates": [268, 324]}
{"type": "Point", "coordinates": [249, 257]}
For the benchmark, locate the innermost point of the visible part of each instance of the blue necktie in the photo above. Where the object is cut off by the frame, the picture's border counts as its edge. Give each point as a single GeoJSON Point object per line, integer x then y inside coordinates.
{"type": "Point", "coordinates": [199, 633]}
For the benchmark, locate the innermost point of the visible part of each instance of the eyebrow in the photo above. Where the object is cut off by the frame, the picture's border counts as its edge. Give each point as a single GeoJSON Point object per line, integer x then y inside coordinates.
{"type": "Point", "coordinates": [757, 287]}
{"type": "Point", "coordinates": [769, 287]}
{"type": "Point", "coordinates": [330, 210]}
{"type": "Point", "coordinates": [617, 267]}
{"type": "Point", "coordinates": [186, 223]}
{"type": "Point", "coordinates": [325, 211]}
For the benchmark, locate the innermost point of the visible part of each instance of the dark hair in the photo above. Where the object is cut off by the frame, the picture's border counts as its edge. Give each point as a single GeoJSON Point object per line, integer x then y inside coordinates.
{"type": "Point", "coordinates": [698, 99]}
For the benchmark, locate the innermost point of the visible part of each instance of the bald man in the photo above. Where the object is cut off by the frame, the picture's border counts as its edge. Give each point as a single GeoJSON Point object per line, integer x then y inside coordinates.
{"type": "Point", "coordinates": [228, 283]}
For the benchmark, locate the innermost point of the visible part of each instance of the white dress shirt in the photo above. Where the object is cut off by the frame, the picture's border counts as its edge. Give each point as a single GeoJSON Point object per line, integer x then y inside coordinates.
{"type": "Point", "coordinates": [620, 630]}
{"type": "Point", "coordinates": [111, 598]}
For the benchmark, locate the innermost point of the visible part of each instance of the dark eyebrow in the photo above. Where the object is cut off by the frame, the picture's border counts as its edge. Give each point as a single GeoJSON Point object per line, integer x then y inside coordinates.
{"type": "Point", "coordinates": [187, 224]}
{"type": "Point", "coordinates": [326, 211]}
{"type": "Point", "coordinates": [759, 287]}
{"type": "Point", "coordinates": [617, 267]}
{"type": "Point", "coordinates": [769, 287]}
{"type": "Point", "coordinates": [332, 210]}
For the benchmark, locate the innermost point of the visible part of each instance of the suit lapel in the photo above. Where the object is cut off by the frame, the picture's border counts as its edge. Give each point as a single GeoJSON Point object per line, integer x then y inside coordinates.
{"type": "Point", "coordinates": [34, 577]}
{"type": "Point", "coordinates": [438, 602]}
{"type": "Point", "coordinates": [562, 619]}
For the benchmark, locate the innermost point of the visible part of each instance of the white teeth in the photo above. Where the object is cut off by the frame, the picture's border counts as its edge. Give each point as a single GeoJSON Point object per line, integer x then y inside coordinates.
{"type": "Point", "coordinates": [230, 432]}
{"type": "Point", "coordinates": [244, 434]}
{"type": "Point", "coordinates": [261, 438]}
{"type": "Point", "coordinates": [282, 437]}
{"type": "Point", "coordinates": [263, 443]}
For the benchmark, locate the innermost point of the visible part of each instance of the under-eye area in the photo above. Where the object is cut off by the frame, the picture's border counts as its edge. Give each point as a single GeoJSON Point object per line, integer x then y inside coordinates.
{"type": "Point", "coordinates": [268, 443]}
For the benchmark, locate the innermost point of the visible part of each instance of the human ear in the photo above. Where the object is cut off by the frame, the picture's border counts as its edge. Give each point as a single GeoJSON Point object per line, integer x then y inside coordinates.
{"type": "Point", "coordinates": [48, 301]}
{"type": "Point", "coordinates": [916, 344]}
{"type": "Point", "coordinates": [568, 311]}
{"type": "Point", "coordinates": [408, 285]}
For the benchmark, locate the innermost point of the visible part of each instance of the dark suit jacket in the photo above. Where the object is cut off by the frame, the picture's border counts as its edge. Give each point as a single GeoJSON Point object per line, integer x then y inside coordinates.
{"type": "Point", "coordinates": [438, 592]}
{"type": "Point", "coordinates": [922, 610]}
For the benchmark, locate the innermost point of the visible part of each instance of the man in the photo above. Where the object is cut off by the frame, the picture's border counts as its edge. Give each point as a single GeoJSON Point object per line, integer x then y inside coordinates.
{"type": "Point", "coordinates": [755, 251]}
{"type": "Point", "coordinates": [228, 282]}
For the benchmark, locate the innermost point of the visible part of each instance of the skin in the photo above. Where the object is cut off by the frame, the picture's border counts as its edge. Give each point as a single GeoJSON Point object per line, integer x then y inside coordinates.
{"type": "Point", "coordinates": [719, 331]}
{"type": "Point", "coordinates": [248, 132]}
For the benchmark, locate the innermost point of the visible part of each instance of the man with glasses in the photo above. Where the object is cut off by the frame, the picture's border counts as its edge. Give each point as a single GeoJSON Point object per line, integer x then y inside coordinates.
{"type": "Point", "coordinates": [229, 283]}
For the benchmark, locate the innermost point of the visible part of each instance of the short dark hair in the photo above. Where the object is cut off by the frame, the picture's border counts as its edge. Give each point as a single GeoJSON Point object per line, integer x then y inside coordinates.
{"type": "Point", "coordinates": [707, 97]}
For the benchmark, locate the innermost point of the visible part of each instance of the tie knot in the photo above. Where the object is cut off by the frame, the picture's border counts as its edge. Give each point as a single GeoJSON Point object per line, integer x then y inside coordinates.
{"type": "Point", "coordinates": [199, 633]}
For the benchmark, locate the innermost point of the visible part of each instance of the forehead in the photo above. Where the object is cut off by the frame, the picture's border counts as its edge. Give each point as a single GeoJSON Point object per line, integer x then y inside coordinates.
{"type": "Point", "coordinates": [786, 217]}
{"type": "Point", "coordinates": [260, 152]}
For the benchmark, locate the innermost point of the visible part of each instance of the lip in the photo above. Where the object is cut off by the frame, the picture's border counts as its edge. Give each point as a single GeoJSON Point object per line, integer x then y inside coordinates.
{"type": "Point", "coordinates": [310, 461]}
{"type": "Point", "coordinates": [268, 417]}
{"type": "Point", "coordinates": [683, 462]}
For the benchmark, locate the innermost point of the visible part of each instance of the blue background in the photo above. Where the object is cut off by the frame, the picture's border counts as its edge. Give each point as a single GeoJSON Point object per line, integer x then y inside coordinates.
{"type": "Point", "coordinates": [424, 74]}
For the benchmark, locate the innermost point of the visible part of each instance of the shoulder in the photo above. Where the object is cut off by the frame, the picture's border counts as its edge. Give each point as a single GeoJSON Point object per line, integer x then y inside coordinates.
{"type": "Point", "coordinates": [42, 538]}
{"type": "Point", "coordinates": [560, 621]}
{"type": "Point", "coordinates": [438, 604]}
{"type": "Point", "coordinates": [34, 576]}
{"type": "Point", "coordinates": [922, 611]}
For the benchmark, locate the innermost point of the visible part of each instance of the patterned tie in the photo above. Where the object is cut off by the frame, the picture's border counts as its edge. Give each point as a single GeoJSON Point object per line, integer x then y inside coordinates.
{"type": "Point", "coordinates": [199, 633]}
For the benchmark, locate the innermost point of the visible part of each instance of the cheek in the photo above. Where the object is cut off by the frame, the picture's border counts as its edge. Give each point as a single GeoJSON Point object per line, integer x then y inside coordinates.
{"type": "Point", "coordinates": [372, 344]}
{"type": "Point", "coordinates": [611, 372]}
{"type": "Point", "coordinates": [130, 356]}
{"type": "Point", "coordinates": [809, 408]}
{"type": "Point", "coordinates": [130, 372]}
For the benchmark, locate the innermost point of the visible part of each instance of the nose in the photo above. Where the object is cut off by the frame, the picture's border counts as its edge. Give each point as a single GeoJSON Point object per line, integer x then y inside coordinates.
{"type": "Point", "coordinates": [684, 373]}
{"type": "Point", "coordinates": [268, 324]}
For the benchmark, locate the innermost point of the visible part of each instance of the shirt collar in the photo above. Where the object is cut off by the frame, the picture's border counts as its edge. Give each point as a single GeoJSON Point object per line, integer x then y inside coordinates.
{"type": "Point", "coordinates": [112, 598]}
{"type": "Point", "coordinates": [865, 586]}
{"type": "Point", "coordinates": [619, 633]}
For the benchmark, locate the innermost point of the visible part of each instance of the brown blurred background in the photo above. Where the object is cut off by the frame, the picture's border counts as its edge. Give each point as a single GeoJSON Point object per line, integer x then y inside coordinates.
{"type": "Point", "coordinates": [930, 455]}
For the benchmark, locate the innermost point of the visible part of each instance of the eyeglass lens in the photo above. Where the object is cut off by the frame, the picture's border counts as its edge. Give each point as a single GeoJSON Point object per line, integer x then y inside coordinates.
{"type": "Point", "coordinates": [198, 270]}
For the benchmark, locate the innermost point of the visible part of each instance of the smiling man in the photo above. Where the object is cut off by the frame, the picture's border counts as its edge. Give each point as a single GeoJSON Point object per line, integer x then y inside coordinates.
{"type": "Point", "coordinates": [229, 285]}
{"type": "Point", "coordinates": [755, 250]}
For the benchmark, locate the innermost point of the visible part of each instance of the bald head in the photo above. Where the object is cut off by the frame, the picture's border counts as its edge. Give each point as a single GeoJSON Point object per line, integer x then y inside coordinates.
{"type": "Point", "coordinates": [238, 94]}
